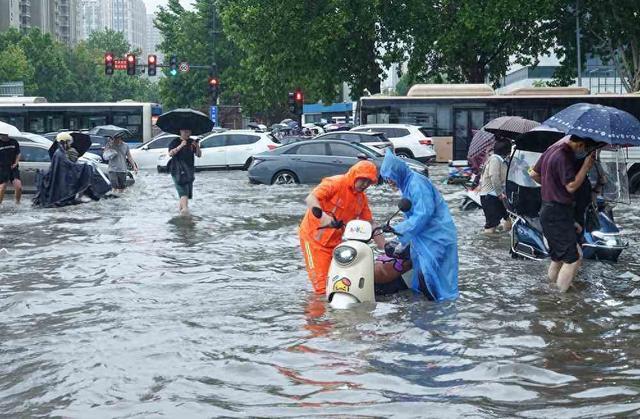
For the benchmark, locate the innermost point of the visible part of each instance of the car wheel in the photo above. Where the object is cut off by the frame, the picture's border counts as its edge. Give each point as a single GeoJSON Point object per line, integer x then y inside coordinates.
{"type": "Point", "coordinates": [247, 163]}
{"type": "Point", "coordinates": [404, 154]}
{"type": "Point", "coordinates": [284, 177]}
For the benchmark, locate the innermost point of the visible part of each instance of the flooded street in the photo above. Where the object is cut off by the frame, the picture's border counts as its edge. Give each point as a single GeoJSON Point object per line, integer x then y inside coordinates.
{"type": "Point", "coordinates": [120, 309]}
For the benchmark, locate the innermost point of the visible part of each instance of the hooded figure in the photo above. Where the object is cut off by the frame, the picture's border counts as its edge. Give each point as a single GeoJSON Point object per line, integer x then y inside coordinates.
{"type": "Point", "coordinates": [429, 229]}
{"type": "Point", "coordinates": [340, 197]}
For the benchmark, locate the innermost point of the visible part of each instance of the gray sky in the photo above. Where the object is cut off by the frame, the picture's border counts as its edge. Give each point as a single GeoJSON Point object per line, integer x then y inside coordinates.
{"type": "Point", "coordinates": [153, 4]}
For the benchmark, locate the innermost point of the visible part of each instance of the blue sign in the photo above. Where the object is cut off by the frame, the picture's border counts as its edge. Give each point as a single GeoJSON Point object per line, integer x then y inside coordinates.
{"type": "Point", "coordinates": [213, 115]}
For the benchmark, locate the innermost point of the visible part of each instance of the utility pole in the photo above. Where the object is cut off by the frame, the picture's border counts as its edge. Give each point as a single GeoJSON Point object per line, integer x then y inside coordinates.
{"type": "Point", "coordinates": [579, 57]}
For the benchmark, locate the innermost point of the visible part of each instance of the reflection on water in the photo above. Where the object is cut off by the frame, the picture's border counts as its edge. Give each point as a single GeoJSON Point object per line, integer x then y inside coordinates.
{"type": "Point", "coordinates": [121, 308]}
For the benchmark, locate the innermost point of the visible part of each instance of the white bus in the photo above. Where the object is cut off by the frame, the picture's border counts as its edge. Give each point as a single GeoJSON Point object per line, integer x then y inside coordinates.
{"type": "Point", "coordinates": [34, 114]}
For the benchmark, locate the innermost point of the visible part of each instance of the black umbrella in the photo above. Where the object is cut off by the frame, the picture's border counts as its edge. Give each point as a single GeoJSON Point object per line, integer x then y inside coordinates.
{"type": "Point", "coordinates": [510, 126]}
{"type": "Point", "coordinates": [538, 139]}
{"type": "Point", "coordinates": [177, 119]}
{"type": "Point", "coordinates": [81, 142]}
{"type": "Point", "coordinates": [109, 130]}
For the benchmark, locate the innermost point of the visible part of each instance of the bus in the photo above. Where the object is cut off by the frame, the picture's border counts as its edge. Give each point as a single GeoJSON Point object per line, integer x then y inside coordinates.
{"type": "Point", "coordinates": [36, 115]}
{"type": "Point", "coordinates": [452, 113]}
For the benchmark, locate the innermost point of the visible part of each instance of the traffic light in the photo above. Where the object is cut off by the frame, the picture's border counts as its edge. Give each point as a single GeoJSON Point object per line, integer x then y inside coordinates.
{"type": "Point", "coordinates": [108, 63]}
{"type": "Point", "coordinates": [299, 101]}
{"type": "Point", "coordinates": [131, 64]}
{"type": "Point", "coordinates": [173, 65]}
{"type": "Point", "coordinates": [151, 65]}
{"type": "Point", "coordinates": [292, 102]}
{"type": "Point", "coordinates": [214, 87]}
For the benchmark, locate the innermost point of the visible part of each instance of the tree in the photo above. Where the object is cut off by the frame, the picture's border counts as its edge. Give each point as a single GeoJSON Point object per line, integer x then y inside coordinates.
{"type": "Point", "coordinates": [14, 66]}
{"type": "Point", "coordinates": [466, 41]}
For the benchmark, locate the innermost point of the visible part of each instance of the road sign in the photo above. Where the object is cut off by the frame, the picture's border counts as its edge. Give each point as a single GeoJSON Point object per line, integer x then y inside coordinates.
{"type": "Point", "coordinates": [120, 64]}
{"type": "Point", "coordinates": [183, 67]}
{"type": "Point", "coordinates": [213, 115]}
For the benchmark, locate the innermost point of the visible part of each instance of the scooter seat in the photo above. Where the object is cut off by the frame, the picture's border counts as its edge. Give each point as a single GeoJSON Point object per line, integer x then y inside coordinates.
{"type": "Point", "coordinates": [534, 223]}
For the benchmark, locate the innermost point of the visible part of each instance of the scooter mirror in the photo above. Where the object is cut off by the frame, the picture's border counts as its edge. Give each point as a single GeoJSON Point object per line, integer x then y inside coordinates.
{"type": "Point", "coordinates": [317, 212]}
{"type": "Point", "coordinates": [404, 205]}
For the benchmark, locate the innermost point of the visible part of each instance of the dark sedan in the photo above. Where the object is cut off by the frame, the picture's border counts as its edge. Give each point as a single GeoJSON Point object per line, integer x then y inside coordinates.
{"type": "Point", "coordinates": [312, 160]}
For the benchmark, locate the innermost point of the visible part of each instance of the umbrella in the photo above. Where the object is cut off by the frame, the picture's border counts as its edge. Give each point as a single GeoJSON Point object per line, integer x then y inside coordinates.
{"type": "Point", "coordinates": [177, 119]}
{"type": "Point", "coordinates": [510, 126]}
{"type": "Point", "coordinates": [600, 123]}
{"type": "Point", "coordinates": [538, 139]}
{"type": "Point", "coordinates": [81, 142]}
{"type": "Point", "coordinates": [9, 130]}
{"type": "Point", "coordinates": [109, 130]}
{"type": "Point", "coordinates": [481, 144]}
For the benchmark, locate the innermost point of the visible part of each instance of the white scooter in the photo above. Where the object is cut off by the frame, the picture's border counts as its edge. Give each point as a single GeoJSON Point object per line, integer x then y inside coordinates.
{"type": "Point", "coordinates": [351, 273]}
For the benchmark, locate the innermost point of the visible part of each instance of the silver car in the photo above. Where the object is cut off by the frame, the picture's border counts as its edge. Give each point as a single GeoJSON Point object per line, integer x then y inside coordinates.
{"type": "Point", "coordinates": [35, 156]}
{"type": "Point", "coordinates": [310, 161]}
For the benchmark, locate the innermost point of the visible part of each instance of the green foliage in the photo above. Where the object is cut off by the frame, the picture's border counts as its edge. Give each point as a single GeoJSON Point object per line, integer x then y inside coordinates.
{"type": "Point", "coordinates": [466, 41]}
{"type": "Point", "coordinates": [14, 65]}
{"type": "Point", "coordinates": [52, 70]}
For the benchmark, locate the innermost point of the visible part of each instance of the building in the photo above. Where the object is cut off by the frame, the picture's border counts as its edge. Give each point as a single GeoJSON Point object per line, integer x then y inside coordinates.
{"type": "Point", "coordinates": [154, 37]}
{"type": "Point", "coordinates": [9, 14]}
{"type": "Point", "coordinates": [56, 17]}
{"type": "Point", "coordinates": [597, 76]}
{"type": "Point", "coordinates": [126, 16]}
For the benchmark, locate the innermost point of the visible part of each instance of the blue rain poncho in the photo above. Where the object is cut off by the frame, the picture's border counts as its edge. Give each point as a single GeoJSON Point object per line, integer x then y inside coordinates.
{"type": "Point", "coordinates": [428, 228]}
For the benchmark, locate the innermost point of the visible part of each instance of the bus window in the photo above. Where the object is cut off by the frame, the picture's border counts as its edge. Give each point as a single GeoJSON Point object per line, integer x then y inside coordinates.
{"type": "Point", "coordinates": [444, 121]}
{"type": "Point", "coordinates": [36, 124]}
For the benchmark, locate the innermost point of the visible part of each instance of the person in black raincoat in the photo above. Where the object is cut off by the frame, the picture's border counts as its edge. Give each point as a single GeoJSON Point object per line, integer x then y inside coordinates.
{"type": "Point", "coordinates": [67, 180]}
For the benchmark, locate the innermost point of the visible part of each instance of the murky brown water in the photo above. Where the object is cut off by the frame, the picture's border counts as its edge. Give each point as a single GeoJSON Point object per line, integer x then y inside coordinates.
{"type": "Point", "coordinates": [118, 309]}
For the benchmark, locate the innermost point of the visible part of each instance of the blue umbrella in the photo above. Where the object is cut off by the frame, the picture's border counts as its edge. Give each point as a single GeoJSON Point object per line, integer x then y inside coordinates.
{"type": "Point", "coordinates": [600, 123]}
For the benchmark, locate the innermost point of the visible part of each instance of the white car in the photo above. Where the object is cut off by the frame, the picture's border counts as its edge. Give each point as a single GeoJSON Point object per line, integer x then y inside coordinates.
{"type": "Point", "coordinates": [147, 154]}
{"type": "Point", "coordinates": [228, 150]}
{"type": "Point", "coordinates": [409, 141]}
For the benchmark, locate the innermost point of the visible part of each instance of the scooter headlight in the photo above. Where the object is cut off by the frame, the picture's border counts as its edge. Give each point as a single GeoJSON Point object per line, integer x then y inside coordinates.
{"type": "Point", "coordinates": [344, 255]}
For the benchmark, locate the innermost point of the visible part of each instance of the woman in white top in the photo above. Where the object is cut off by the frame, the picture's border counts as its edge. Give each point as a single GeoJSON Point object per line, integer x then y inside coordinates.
{"type": "Point", "coordinates": [492, 187]}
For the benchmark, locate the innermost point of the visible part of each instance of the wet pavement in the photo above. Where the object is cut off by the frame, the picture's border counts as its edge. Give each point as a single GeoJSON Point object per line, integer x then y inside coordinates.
{"type": "Point", "coordinates": [120, 309]}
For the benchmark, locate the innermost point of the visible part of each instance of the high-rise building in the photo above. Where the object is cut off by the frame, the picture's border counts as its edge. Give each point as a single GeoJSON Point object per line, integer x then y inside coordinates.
{"type": "Point", "coordinates": [126, 16]}
{"type": "Point", "coordinates": [9, 14]}
{"type": "Point", "coordinates": [154, 37]}
{"type": "Point", "coordinates": [57, 17]}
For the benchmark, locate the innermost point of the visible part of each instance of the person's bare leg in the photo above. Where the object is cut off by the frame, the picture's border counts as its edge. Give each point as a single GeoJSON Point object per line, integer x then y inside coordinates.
{"type": "Point", "coordinates": [506, 224]}
{"type": "Point", "coordinates": [568, 273]}
{"type": "Point", "coordinates": [17, 185]}
{"type": "Point", "coordinates": [554, 269]}
{"type": "Point", "coordinates": [184, 204]}
{"type": "Point", "coordinates": [489, 230]}
{"type": "Point", "coordinates": [2, 189]}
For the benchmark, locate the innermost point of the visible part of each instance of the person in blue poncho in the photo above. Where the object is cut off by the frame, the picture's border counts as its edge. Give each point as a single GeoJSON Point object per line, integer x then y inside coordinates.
{"type": "Point", "coordinates": [428, 228]}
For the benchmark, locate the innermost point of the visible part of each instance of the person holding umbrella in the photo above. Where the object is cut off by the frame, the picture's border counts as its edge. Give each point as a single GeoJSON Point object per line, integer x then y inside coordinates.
{"type": "Point", "coordinates": [587, 127]}
{"type": "Point", "coordinates": [184, 122]}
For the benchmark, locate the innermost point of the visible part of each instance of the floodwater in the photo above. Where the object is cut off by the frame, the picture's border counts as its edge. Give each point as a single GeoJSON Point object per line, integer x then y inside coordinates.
{"type": "Point", "coordinates": [119, 309]}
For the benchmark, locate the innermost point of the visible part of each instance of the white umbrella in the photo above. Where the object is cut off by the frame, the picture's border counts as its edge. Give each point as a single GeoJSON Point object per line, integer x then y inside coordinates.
{"type": "Point", "coordinates": [9, 130]}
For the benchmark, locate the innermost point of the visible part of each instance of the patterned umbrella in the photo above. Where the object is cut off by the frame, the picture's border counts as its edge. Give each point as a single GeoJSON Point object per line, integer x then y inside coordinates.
{"type": "Point", "coordinates": [510, 126]}
{"type": "Point", "coordinates": [481, 144]}
{"type": "Point", "coordinates": [600, 123]}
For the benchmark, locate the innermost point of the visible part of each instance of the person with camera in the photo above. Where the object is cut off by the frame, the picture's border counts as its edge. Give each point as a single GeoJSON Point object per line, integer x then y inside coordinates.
{"type": "Point", "coordinates": [182, 167]}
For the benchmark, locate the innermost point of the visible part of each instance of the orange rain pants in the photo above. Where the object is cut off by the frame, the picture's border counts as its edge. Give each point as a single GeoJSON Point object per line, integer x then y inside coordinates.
{"type": "Point", "coordinates": [337, 195]}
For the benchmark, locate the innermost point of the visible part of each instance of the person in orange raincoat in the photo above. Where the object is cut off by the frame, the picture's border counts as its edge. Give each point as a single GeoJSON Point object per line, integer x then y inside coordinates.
{"type": "Point", "coordinates": [343, 198]}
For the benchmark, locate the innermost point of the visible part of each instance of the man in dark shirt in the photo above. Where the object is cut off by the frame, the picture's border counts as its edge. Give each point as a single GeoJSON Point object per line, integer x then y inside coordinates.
{"type": "Point", "coordinates": [182, 166]}
{"type": "Point", "coordinates": [558, 172]}
{"type": "Point", "coordinates": [9, 169]}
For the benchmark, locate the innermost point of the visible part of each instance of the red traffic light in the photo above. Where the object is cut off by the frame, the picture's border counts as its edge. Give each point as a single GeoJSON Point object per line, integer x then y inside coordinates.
{"type": "Point", "coordinates": [152, 59]}
{"type": "Point", "coordinates": [131, 58]}
{"type": "Point", "coordinates": [108, 57]}
{"type": "Point", "coordinates": [213, 81]}
{"type": "Point", "coordinates": [298, 96]}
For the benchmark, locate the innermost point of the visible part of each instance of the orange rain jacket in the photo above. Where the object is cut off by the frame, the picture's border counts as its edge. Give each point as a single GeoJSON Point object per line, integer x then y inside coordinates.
{"type": "Point", "coordinates": [337, 196]}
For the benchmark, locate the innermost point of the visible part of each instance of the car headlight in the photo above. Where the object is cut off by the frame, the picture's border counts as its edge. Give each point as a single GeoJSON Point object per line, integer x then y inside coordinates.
{"type": "Point", "coordinates": [344, 255]}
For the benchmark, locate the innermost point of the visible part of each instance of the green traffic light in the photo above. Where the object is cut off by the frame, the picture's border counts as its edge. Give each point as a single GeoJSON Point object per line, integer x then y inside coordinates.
{"type": "Point", "coordinates": [173, 72]}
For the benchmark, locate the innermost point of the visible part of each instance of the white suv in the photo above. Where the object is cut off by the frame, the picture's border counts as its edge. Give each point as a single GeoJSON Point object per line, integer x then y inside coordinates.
{"type": "Point", "coordinates": [409, 141]}
{"type": "Point", "coordinates": [229, 150]}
